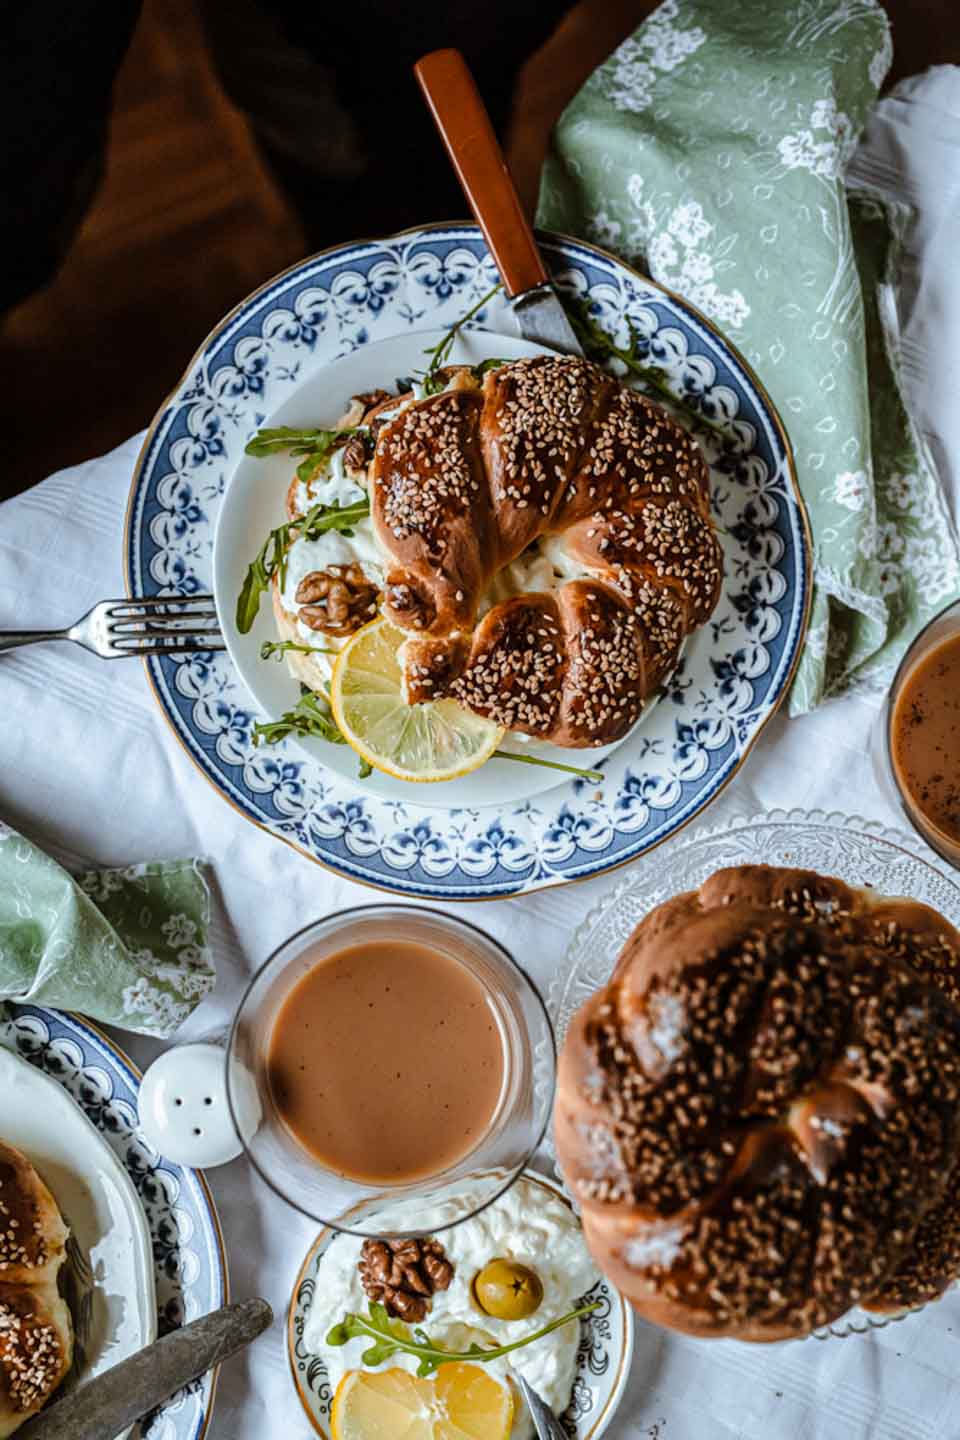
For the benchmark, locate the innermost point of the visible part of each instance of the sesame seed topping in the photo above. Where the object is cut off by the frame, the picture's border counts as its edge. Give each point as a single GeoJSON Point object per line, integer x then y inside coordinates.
{"type": "Point", "coordinates": [463, 482]}
{"type": "Point", "coordinates": [31, 1352]}
{"type": "Point", "coordinates": [777, 1061]}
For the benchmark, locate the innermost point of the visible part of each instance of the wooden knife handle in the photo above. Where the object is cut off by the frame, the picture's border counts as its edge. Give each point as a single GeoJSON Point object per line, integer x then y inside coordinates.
{"type": "Point", "coordinates": [461, 117]}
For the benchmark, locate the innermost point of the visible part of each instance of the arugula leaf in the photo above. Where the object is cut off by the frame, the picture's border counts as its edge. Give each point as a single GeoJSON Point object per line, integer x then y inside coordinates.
{"type": "Point", "coordinates": [310, 716]}
{"type": "Point", "coordinates": [272, 557]}
{"type": "Point", "coordinates": [332, 517]}
{"type": "Point", "coordinates": [396, 1333]}
{"type": "Point", "coordinates": [259, 574]}
{"type": "Point", "coordinates": [432, 383]}
{"type": "Point", "coordinates": [392, 1336]}
{"type": "Point", "coordinates": [596, 775]}
{"type": "Point", "coordinates": [599, 346]}
{"type": "Point", "coordinates": [276, 649]}
{"type": "Point", "coordinates": [315, 445]}
{"type": "Point", "coordinates": [315, 461]}
{"type": "Point", "coordinates": [298, 442]}
{"type": "Point", "coordinates": [480, 370]}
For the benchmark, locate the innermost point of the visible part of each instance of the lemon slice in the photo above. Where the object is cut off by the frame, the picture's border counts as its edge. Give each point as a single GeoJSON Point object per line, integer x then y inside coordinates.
{"type": "Point", "coordinates": [461, 1402]}
{"type": "Point", "coordinates": [439, 741]}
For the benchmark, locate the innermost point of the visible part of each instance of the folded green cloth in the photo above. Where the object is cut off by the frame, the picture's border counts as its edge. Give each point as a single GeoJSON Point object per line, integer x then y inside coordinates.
{"type": "Point", "coordinates": [128, 947]}
{"type": "Point", "coordinates": [710, 149]}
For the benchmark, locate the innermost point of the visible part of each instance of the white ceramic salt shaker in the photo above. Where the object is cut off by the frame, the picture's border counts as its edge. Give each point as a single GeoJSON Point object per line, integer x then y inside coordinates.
{"type": "Point", "coordinates": [183, 1107]}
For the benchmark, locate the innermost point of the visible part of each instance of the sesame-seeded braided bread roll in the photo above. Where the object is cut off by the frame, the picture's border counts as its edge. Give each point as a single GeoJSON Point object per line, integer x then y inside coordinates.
{"type": "Point", "coordinates": [551, 448]}
{"type": "Point", "coordinates": [925, 940]}
{"type": "Point", "coordinates": [36, 1334]}
{"type": "Point", "coordinates": [760, 1113]}
{"type": "Point", "coordinates": [33, 1236]}
{"type": "Point", "coordinates": [36, 1351]}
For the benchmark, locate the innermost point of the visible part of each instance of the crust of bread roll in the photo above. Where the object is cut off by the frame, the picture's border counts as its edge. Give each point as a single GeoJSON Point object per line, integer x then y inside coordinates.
{"type": "Point", "coordinates": [36, 1332]}
{"type": "Point", "coordinates": [36, 1351]}
{"type": "Point", "coordinates": [33, 1237]}
{"type": "Point", "coordinates": [760, 1113]}
{"type": "Point", "coordinates": [463, 482]}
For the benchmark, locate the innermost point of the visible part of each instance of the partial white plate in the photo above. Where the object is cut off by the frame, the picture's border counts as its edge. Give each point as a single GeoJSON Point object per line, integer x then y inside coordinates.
{"type": "Point", "coordinates": [101, 1207]}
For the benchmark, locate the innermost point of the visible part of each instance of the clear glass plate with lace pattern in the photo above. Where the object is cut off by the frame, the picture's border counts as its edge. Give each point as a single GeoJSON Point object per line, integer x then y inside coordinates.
{"type": "Point", "coordinates": [860, 852]}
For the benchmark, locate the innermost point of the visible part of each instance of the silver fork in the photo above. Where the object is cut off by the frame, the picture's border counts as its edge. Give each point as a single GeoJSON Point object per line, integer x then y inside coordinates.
{"type": "Point", "coordinates": [144, 625]}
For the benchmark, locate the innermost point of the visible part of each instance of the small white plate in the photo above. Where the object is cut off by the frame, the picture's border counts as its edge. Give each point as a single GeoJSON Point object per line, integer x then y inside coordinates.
{"type": "Point", "coordinates": [603, 1356]}
{"type": "Point", "coordinates": [100, 1205]}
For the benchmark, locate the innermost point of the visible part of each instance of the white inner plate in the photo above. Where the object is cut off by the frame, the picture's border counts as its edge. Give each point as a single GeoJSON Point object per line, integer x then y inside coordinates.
{"type": "Point", "coordinates": [98, 1202]}
{"type": "Point", "coordinates": [255, 503]}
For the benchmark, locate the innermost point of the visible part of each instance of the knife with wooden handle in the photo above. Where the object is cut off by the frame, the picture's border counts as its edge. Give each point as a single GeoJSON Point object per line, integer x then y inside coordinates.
{"type": "Point", "coordinates": [461, 117]}
{"type": "Point", "coordinates": [107, 1405]}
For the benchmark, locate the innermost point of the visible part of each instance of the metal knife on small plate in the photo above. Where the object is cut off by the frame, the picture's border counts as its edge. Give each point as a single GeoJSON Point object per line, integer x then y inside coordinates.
{"type": "Point", "coordinates": [545, 1423]}
{"type": "Point", "coordinates": [464, 125]}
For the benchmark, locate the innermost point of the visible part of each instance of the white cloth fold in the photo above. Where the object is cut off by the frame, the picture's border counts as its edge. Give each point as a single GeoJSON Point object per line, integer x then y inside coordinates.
{"type": "Point", "coordinates": [92, 771]}
{"type": "Point", "coordinates": [911, 151]}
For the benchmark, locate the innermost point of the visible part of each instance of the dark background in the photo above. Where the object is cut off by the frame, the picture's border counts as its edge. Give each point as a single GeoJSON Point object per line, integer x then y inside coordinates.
{"type": "Point", "coordinates": [189, 218]}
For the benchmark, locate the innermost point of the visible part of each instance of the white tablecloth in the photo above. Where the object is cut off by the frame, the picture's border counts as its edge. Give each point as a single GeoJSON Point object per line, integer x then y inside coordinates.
{"type": "Point", "coordinates": [91, 771]}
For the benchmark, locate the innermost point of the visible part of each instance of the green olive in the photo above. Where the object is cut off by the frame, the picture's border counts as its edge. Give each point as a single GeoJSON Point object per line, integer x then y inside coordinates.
{"type": "Point", "coordinates": [508, 1291]}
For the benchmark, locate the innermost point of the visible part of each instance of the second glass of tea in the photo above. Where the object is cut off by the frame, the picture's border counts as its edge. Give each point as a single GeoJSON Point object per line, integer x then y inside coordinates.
{"type": "Point", "coordinates": [385, 1053]}
{"type": "Point", "coordinates": [921, 734]}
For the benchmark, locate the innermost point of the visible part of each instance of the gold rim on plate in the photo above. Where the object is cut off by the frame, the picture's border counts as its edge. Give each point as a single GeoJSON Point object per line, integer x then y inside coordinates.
{"type": "Point", "coordinates": [550, 236]}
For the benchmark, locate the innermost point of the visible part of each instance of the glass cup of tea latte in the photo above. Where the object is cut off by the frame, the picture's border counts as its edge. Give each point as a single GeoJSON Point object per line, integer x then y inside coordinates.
{"type": "Point", "coordinates": [917, 747]}
{"type": "Point", "coordinates": [390, 1053]}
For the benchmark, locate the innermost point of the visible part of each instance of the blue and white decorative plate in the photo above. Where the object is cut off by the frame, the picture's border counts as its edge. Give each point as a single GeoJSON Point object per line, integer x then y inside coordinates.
{"type": "Point", "coordinates": [603, 1355]}
{"type": "Point", "coordinates": [275, 352]}
{"type": "Point", "coordinates": [190, 1270]}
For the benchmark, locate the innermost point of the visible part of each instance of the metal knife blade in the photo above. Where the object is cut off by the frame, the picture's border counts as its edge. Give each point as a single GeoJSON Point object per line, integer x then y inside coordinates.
{"type": "Point", "coordinates": [542, 319]}
{"type": "Point", "coordinates": [545, 1423]}
{"type": "Point", "coordinates": [106, 1406]}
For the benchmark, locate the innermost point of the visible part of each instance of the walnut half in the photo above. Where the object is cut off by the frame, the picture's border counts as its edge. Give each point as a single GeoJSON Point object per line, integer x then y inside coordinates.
{"type": "Point", "coordinates": [355, 456]}
{"type": "Point", "coordinates": [403, 1275]}
{"type": "Point", "coordinates": [336, 601]}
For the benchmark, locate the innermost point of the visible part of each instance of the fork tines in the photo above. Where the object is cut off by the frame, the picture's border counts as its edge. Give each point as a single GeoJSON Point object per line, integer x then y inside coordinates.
{"type": "Point", "coordinates": [138, 606]}
{"type": "Point", "coordinates": [168, 623]}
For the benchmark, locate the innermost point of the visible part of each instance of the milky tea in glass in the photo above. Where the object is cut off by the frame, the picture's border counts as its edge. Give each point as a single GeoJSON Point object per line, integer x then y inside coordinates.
{"type": "Point", "coordinates": [386, 1053]}
{"type": "Point", "coordinates": [387, 1061]}
{"type": "Point", "coordinates": [923, 733]}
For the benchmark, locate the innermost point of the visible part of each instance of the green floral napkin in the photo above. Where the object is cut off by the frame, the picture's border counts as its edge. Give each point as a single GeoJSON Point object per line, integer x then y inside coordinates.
{"type": "Point", "coordinates": [128, 947]}
{"type": "Point", "coordinates": [710, 149]}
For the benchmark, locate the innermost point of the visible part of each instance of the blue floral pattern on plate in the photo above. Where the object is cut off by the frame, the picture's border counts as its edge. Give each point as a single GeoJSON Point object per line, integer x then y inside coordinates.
{"type": "Point", "coordinates": [732, 677]}
{"type": "Point", "coordinates": [189, 1263]}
